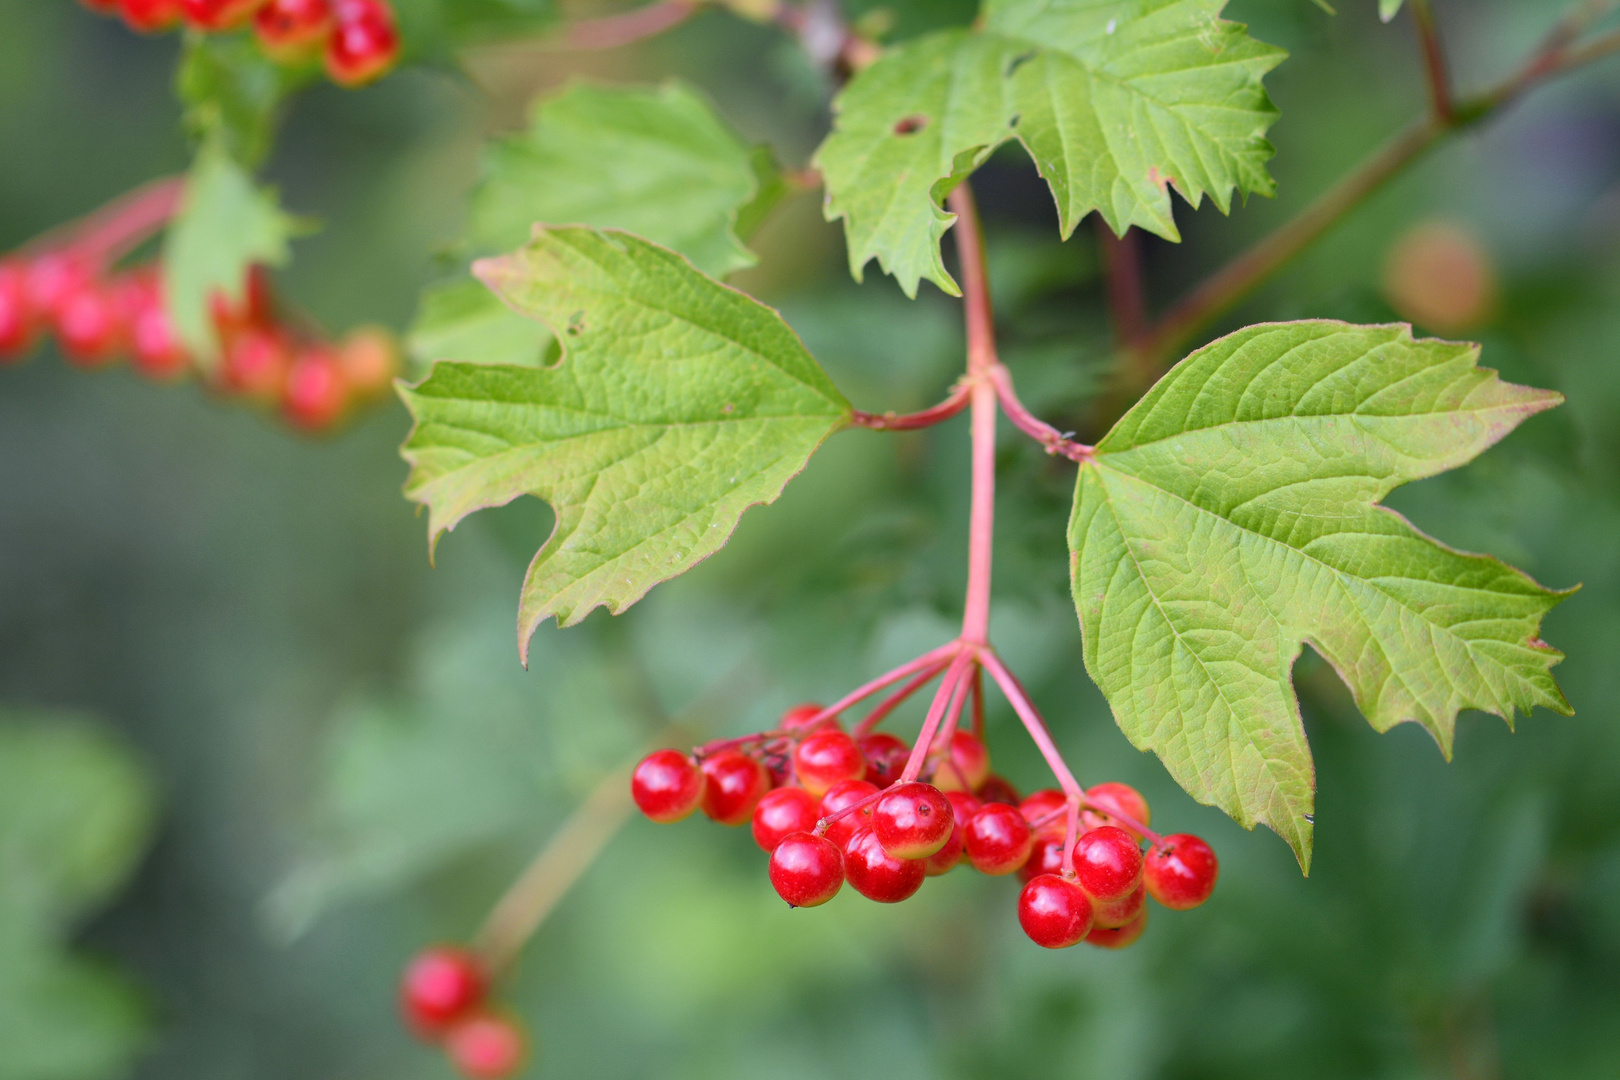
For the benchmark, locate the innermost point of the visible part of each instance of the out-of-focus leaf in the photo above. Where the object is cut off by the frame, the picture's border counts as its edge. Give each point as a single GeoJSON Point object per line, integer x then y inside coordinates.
{"type": "Point", "coordinates": [1116, 102]}
{"type": "Point", "coordinates": [226, 224]}
{"type": "Point", "coordinates": [231, 92]}
{"type": "Point", "coordinates": [1232, 515]}
{"type": "Point", "coordinates": [677, 404]}
{"type": "Point", "coordinates": [436, 29]}
{"type": "Point", "coordinates": [655, 162]}
{"type": "Point", "coordinates": [462, 319]}
{"type": "Point", "coordinates": [1388, 9]}
{"type": "Point", "coordinates": [76, 813]}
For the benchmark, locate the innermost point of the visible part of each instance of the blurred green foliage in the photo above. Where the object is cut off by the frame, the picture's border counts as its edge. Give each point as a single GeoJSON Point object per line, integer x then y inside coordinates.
{"type": "Point", "coordinates": [354, 764]}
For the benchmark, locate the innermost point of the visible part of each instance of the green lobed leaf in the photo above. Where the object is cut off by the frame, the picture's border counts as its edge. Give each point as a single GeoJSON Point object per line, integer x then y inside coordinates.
{"type": "Point", "coordinates": [461, 318]}
{"type": "Point", "coordinates": [1232, 516]}
{"type": "Point", "coordinates": [657, 162]}
{"type": "Point", "coordinates": [226, 224]}
{"type": "Point", "coordinates": [678, 403]}
{"type": "Point", "coordinates": [1116, 101]}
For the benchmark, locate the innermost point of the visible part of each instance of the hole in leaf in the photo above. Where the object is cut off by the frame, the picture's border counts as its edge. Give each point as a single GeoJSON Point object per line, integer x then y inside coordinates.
{"type": "Point", "coordinates": [910, 125]}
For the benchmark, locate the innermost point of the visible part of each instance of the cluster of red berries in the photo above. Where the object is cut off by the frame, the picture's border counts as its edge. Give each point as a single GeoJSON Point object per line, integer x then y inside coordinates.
{"type": "Point", "coordinates": [444, 996]}
{"type": "Point", "coordinates": [359, 39]}
{"type": "Point", "coordinates": [830, 807]}
{"type": "Point", "coordinates": [99, 316]}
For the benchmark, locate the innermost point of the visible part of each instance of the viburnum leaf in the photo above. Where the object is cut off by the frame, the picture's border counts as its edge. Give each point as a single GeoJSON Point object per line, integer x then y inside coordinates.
{"type": "Point", "coordinates": [1116, 101]}
{"type": "Point", "coordinates": [657, 162]}
{"type": "Point", "coordinates": [463, 319]}
{"type": "Point", "coordinates": [226, 224]}
{"type": "Point", "coordinates": [678, 402]}
{"type": "Point", "coordinates": [1232, 516]}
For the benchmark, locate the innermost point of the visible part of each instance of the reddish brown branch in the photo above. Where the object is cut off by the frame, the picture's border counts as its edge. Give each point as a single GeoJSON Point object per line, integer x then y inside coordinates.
{"type": "Point", "coordinates": [1127, 299]}
{"type": "Point", "coordinates": [958, 400]}
{"type": "Point", "coordinates": [615, 31]}
{"type": "Point", "coordinates": [1434, 60]}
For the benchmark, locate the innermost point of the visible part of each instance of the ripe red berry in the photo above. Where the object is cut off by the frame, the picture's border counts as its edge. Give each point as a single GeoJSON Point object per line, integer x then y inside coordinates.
{"type": "Point", "coordinates": [806, 870]}
{"type": "Point", "coordinates": [293, 30]}
{"type": "Point", "coordinates": [1116, 914]}
{"type": "Point", "coordinates": [89, 325]}
{"type": "Point", "coordinates": [783, 811]}
{"type": "Point", "coordinates": [364, 42]}
{"type": "Point", "coordinates": [50, 278]}
{"type": "Point", "coordinates": [735, 784]}
{"type": "Point", "coordinates": [1118, 937]}
{"type": "Point", "coordinates": [1121, 798]}
{"type": "Point", "coordinates": [798, 718]}
{"type": "Point", "coordinates": [16, 317]}
{"type": "Point", "coordinates": [440, 985]}
{"type": "Point", "coordinates": [876, 874]}
{"type": "Point", "coordinates": [255, 365]}
{"type": "Point", "coordinates": [1108, 863]}
{"type": "Point", "coordinates": [316, 395]}
{"type": "Point", "coordinates": [150, 16]}
{"type": "Point", "coordinates": [155, 349]}
{"type": "Point", "coordinates": [216, 15]}
{"type": "Point", "coordinates": [1054, 913]}
{"type": "Point", "coordinates": [1040, 806]}
{"type": "Point", "coordinates": [945, 859]}
{"type": "Point", "coordinates": [667, 785]}
{"type": "Point", "coordinates": [997, 789]}
{"type": "Point", "coordinates": [486, 1046]}
{"type": "Point", "coordinates": [1181, 871]}
{"type": "Point", "coordinates": [826, 758]}
{"type": "Point", "coordinates": [997, 839]}
{"type": "Point", "coordinates": [968, 766]}
{"type": "Point", "coordinates": [885, 757]}
{"type": "Point", "coordinates": [912, 821]}
{"type": "Point", "coordinates": [844, 795]}
{"type": "Point", "coordinates": [1046, 858]}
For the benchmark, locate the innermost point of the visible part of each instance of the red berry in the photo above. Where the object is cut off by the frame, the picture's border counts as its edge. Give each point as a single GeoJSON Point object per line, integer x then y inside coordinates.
{"type": "Point", "coordinates": [50, 279]}
{"type": "Point", "coordinates": [968, 766]}
{"type": "Point", "coordinates": [1041, 805]}
{"type": "Point", "coordinates": [1118, 797]}
{"type": "Point", "coordinates": [1046, 858]}
{"type": "Point", "coordinates": [217, 15]}
{"type": "Point", "coordinates": [16, 316]}
{"type": "Point", "coordinates": [806, 870]}
{"type": "Point", "coordinates": [798, 718]}
{"type": "Point", "coordinates": [997, 839]}
{"type": "Point", "coordinates": [156, 351]}
{"type": "Point", "coordinates": [1120, 937]}
{"type": "Point", "coordinates": [440, 985]}
{"type": "Point", "coordinates": [1116, 914]}
{"type": "Point", "coordinates": [1181, 871]}
{"type": "Point", "coordinates": [842, 795]}
{"type": "Point", "coordinates": [293, 30]}
{"type": "Point", "coordinates": [912, 821]}
{"type": "Point", "coordinates": [667, 785]}
{"type": "Point", "coordinates": [1108, 863]}
{"type": "Point", "coordinates": [89, 325]}
{"type": "Point", "coordinates": [369, 356]}
{"type": "Point", "coordinates": [364, 42]}
{"type": "Point", "coordinates": [945, 859]}
{"type": "Point", "coordinates": [486, 1046]}
{"type": "Point", "coordinates": [885, 757]}
{"type": "Point", "coordinates": [876, 874]}
{"type": "Point", "coordinates": [150, 16]}
{"type": "Point", "coordinates": [1054, 913]}
{"type": "Point", "coordinates": [826, 758]}
{"type": "Point", "coordinates": [255, 365]}
{"type": "Point", "coordinates": [316, 395]}
{"type": "Point", "coordinates": [783, 811]}
{"type": "Point", "coordinates": [997, 789]}
{"type": "Point", "coordinates": [735, 784]}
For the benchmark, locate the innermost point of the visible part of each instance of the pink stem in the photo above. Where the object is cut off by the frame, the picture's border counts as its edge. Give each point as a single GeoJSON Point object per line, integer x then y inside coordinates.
{"type": "Point", "coordinates": [964, 686]}
{"type": "Point", "coordinates": [1039, 430]}
{"type": "Point", "coordinates": [612, 31]}
{"type": "Point", "coordinates": [978, 702]}
{"type": "Point", "coordinates": [895, 700]}
{"type": "Point", "coordinates": [936, 711]}
{"type": "Point", "coordinates": [1043, 739]}
{"type": "Point", "coordinates": [106, 235]}
{"type": "Point", "coordinates": [981, 359]}
{"type": "Point", "coordinates": [955, 403]}
{"type": "Point", "coordinates": [861, 693]}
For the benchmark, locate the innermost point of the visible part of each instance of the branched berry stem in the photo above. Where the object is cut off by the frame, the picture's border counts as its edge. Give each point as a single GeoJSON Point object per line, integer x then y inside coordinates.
{"type": "Point", "coordinates": [896, 699]}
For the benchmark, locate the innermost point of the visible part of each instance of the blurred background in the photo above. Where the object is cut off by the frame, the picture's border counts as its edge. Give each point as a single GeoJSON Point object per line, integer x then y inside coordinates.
{"type": "Point", "coordinates": [254, 751]}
